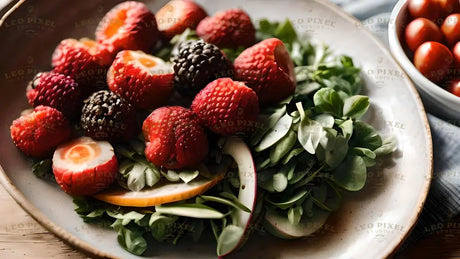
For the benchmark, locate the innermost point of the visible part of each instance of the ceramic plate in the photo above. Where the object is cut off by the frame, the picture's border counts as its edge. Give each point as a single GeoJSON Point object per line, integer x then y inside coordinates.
{"type": "Point", "coordinates": [370, 224]}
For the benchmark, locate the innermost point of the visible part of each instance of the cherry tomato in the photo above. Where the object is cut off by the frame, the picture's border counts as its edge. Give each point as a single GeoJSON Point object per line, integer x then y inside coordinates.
{"type": "Point", "coordinates": [451, 28]}
{"type": "Point", "coordinates": [429, 9]}
{"type": "Point", "coordinates": [433, 60]}
{"type": "Point", "coordinates": [449, 6]}
{"type": "Point", "coordinates": [421, 30]}
{"type": "Point", "coordinates": [454, 87]}
{"type": "Point", "coordinates": [456, 53]}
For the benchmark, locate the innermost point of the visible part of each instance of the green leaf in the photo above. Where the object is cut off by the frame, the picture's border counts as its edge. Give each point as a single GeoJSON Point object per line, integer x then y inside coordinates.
{"type": "Point", "coordinates": [351, 175]}
{"type": "Point", "coordinates": [279, 130]}
{"type": "Point", "coordinates": [319, 192]}
{"type": "Point", "coordinates": [126, 218]}
{"type": "Point", "coordinates": [389, 146]}
{"type": "Point", "coordinates": [265, 180]}
{"type": "Point", "coordinates": [347, 128]}
{"type": "Point", "coordinates": [365, 136]}
{"type": "Point", "coordinates": [131, 240]}
{"type": "Point", "coordinates": [356, 106]}
{"type": "Point", "coordinates": [43, 169]}
{"type": "Point", "coordinates": [310, 132]}
{"type": "Point", "coordinates": [364, 152]}
{"type": "Point", "coordinates": [296, 198]}
{"type": "Point", "coordinates": [188, 175]}
{"type": "Point", "coordinates": [136, 177]}
{"type": "Point", "coordinates": [232, 54]}
{"type": "Point", "coordinates": [226, 202]}
{"type": "Point", "coordinates": [152, 176]}
{"type": "Point", "coordinates": [326, 120]}
{"type": "Point", "coordinates": [336, 150]}
{"type": "Point", "coordinates": [280, 182]}
{"type": "Point", "coordinates": [369, 162]}
{"type": "Point", "coordinates": [286, 32]}
{"type": "Point", "coordinates": [262, 164]}
{"type": "Point", "coordinates": [283, 147]}
{"type": "Point", "coordinates": [295, 214]}
{"type": "Point", "coordinates": [327, 100]}
{"type": "Point", "coordinates": [265, 26]}
{"type": "Point", "coordinates": [302, 171]}
{"type": "Point", "coordinates": [229, 239]}
{"type": "Point", "coordinates": [293, 153]}
{"type": "Point", "coordinates": [234, 199]}
{"type": "Point", "coordinates": [96, 213]}
{"type": "Point", "coordinates": [191, 210]}
{"type": "Point", "coordinates": [161, 226]}
{"type": "Point", "coordinates": [320, 204]}
{"type": "Point", "coordinates": [172, 176]}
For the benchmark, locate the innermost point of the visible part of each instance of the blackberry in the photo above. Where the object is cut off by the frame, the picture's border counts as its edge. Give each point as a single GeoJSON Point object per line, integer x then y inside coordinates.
{"type": "Point", "coordinates": [106, 116]}
{"type": "Point", "coordinates": [197, 64]}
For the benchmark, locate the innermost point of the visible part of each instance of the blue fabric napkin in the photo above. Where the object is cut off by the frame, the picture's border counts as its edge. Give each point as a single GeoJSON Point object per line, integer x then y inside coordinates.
{"type": "Point", "coordinates": [443, 202]}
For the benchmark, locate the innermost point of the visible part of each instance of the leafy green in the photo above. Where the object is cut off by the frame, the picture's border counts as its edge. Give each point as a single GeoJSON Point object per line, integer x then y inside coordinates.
{"type": "Point", "coordinates": [351, 175]}
{"type": "Point", "coordinates": [310, 131]}
{"type": "Point", "coordinates": [231, 203]}
{"type": "Point", "coordinates": [279, 130]}
{"type": "Point", "coordinates": [327, 100]}
{"type": "Point", "coordinates": [135, 169]}
{"type": "Point", "coordinates": [130, 238]}
{"type": "Point", "coordinates": [365, 136]}
{"type": "Point", "coordinates": [228, 239]}
{"type": "Point", "coordinates": [356, 106]}
{"type": "Point", "coordinates": [43, 169]}
{"type": "Point", "coordinates": [193, 210]}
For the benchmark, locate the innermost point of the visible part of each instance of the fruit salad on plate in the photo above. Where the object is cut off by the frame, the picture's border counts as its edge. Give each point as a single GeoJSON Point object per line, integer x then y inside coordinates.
{"type": "Point", "coordinates": [173, 124]}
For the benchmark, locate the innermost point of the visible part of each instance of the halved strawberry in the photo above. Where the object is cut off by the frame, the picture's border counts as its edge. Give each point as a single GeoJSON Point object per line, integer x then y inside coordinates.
{"type": "Point", "coordinates": [178, 15]}
{"type": "Point", "coordinates": [128, 26]}
{"type": "Point", "coordinates": [84, 166]}
{"type": "Point", "coordinates": [85, 61]}
{"type": "Point", "coordinates": [228, 29]}
{"type": "Point", "coordinates": [174, 138]}
{"type": "Point", "coordinates": [40, 131]}
{"type": "Point", "coordinates": [227, 107]}
{"type": "Point", "coordinates": [143, 80]}
{"type": "Point", "coordinates": [268, 69]}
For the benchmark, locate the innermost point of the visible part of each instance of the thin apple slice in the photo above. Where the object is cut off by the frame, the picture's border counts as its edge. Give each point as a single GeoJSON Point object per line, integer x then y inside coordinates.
{"type": "Point", "coordinates": [241, 154]}
{"type": "Point", "coordinates": [164, 192]}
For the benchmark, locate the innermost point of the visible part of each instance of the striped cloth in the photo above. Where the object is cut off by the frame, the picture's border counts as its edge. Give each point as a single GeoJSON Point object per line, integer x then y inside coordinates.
{"type": "Point", "coordinates": [443, 202]}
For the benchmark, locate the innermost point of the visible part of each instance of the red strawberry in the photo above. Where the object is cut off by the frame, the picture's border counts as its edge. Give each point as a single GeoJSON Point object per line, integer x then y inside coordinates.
{"type": "Point", "coordinates": [129, 25]}
{"type": "Point", "coordinates": [55, 90]}
{"type": "Point", "coordinates": [85, 61]}
{"type": "Point", "coordinates": [228, 29]}
{"type": "Point", "coordinates": [39, 132]}
{"type": "Point", "coordinates": [84, 166]}
{"type": "Point", "coordinates": [268, 69]}
{"type": "Point", "coordinates": [178, 15]}
{"type": "Point", "coordinates": [227, 107]}
{"type": "Point", "coordinates": [144, 81]}
{"type": "Point", "coordinates": [174, 138]}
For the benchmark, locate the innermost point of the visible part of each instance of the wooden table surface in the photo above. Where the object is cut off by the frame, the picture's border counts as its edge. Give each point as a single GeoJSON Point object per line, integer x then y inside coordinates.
{"type": "Point", "coordinates": [22, 237]}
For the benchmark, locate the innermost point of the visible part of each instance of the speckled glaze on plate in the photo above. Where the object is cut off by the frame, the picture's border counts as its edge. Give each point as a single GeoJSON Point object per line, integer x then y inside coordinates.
{"type": "Point", "coordinates": [371, 223]}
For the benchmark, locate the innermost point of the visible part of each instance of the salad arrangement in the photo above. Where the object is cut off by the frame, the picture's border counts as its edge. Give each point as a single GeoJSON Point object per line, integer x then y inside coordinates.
{"type": "Point", "coordinates": [175, 124]}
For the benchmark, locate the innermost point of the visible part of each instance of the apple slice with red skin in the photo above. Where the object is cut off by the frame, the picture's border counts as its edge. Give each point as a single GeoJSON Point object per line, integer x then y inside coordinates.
{"type": "Point", "coordinates": [84, 166]}
{"type": "Point", "coordinates": [241, 154]}
{"type": "Point", "coordinates": [161, 193]}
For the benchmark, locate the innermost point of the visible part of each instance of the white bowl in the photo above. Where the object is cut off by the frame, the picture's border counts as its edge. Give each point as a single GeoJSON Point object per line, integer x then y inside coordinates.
{"type": "Point", "coordinates": [436, 99]}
